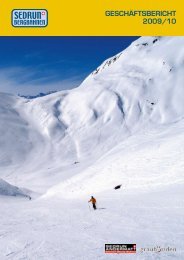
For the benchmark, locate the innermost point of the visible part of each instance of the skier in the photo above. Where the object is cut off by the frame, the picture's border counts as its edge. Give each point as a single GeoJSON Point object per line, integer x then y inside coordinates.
{"type": "Point", "coordinates": [93, 201]}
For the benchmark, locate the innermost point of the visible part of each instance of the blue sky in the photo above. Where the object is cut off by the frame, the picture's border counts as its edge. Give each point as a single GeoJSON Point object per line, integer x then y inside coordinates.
{"type": "Point", "coordinates": [30, 65]}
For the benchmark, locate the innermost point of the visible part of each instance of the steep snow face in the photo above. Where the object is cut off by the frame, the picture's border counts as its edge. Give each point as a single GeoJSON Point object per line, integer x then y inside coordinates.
{"type": "Point", "coordinates": [141, 87]}
{"type": "Point", "coordinates": [148, 79]}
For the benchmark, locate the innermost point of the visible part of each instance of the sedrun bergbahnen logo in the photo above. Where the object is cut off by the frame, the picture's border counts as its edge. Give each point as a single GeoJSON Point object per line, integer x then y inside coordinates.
{"type": "Point", "coordinates": [120, 248]}
{"type": "Point", "coordinates": [29, 18]}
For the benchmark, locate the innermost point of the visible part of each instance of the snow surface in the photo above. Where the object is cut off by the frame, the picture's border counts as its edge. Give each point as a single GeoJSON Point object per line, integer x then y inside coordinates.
{"type": "Point", "coordinates": [123, 125]}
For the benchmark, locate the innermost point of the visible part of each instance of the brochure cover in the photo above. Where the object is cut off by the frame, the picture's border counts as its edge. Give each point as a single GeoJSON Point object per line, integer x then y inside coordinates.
{"type": "Point", "coordinates": [91, 130]}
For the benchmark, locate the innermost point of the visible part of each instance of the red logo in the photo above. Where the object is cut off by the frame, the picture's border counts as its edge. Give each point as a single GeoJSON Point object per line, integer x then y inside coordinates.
{"type": "Point", "coordinates": [120, 248]}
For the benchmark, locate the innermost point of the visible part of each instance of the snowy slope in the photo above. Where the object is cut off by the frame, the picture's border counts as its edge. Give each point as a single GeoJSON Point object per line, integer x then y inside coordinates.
{"type": "Point", "coordinates": [123, 125]}
{"type": "Point", "coordinates": [41, 139]}
{"type": "Point", "coordinates": [142, 86]}
{"type": "Point", "coordinates": [7, 189]}
{"type": "Point", "coordinates": [145, 161]}
{"type": "Point", "coordinates": [14, 131]}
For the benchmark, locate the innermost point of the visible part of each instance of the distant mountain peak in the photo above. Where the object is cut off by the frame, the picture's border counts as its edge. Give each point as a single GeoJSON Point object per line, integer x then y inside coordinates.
{"type": "Point", "coordinates": [41, 94]}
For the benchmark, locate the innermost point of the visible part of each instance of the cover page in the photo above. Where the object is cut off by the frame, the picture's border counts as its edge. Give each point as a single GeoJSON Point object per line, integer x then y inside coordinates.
{"type": "Point", "coordinates": [91, 130]}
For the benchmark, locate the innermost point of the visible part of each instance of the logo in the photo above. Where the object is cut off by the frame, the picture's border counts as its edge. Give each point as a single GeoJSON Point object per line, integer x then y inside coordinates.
{"type": "Point", "coordinates": [120, 248]}
{"type": "Point", "coordinates": [29, 18]}
{"type": "Point", "coordinates": [158, 249]}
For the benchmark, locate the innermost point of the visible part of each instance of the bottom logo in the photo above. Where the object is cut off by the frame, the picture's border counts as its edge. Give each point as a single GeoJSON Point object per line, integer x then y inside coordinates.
{"type": "Point", "coordinates": [120, 248]}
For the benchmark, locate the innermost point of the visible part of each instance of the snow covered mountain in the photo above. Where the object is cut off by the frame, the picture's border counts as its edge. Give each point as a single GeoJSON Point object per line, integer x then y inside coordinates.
{"type": "Point", "coordinates": [123, 125]}
{"type": "Point", "coordinates": [140, 87]}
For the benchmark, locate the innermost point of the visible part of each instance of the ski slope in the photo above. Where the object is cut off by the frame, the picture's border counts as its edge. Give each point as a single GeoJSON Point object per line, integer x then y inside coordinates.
{"type": "Point", "coordinates": [123, 125]}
